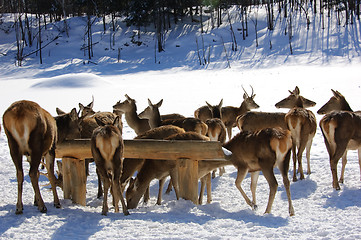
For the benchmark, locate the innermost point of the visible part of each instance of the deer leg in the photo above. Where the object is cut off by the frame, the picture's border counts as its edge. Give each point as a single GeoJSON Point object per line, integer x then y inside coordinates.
{"type": "Point", "coordinates": [50, 161]}
{"type": "Point", "coordinates": [301, 149]}
{"type": "Point", "coordinates": [339, 152]}
{"type": "Point", "coordinates": [122, 201]}
{"type": "Point", "coordinates": [146, 195]}
{"type": "Point", "coordinates": [169, 188]}
{"type": "Point", "coordinates": [174, 178]}
{"type": "Point", "coordinates": [18, 160]}
{"type": "Point", "coordinates": [254, 180]}
{"type": "Point", "coordinates": [229, 132]}
{"type": "Point", "coordinates": [294, 158]}
{"type": "Point", "coordinates": [100, 189]}
{"type": "Point", "coordinates": [241, 174]}
{"type": "Point", "coordinates": [283, 167]}
{"type": "Point", "coordinates": [161, 185]}
{"type": "Point", "coordinates": [34, 177]}
{"type": "Point", "coordinates": [203, 183]}
{"type": "Point", "coordinates": [344, 162]}
{"type": "Point", "coordinates": [106, 183]}
{"type": "Point", "coordinates": [272, 182]}
{"type": "Point", "coordinates": [308, 155]}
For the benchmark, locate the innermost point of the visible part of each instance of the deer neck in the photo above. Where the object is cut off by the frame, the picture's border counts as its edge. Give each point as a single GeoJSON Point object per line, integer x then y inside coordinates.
{"type": "Point", "coordinates": [155, 119]}
{"type": "Point", "coordinates": [132, 119]}
{"type": "Point", "coordinates": [243, 108]}
{"type": "Point", "coordinates": [345, 106]}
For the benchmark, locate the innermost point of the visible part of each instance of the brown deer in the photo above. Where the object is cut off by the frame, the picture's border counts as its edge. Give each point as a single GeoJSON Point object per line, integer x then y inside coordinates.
{"type": "Point", "coordinates": [129, 108]}
{"type": "Point", "coordinates": [341, 131]}
{"type": "Point", "coordinates": [209, 111]}
{"type": "Point", "coordinates": [31, 131]}
{"type": "Point", "coordinates": [303, 125]}
{"type": "Point", "coordinates": [150, 170]}
{"type": "Point", "coordinates": [155, 120]}
{"type": "Point", "coordinates": [107, 148]}
{"type": "Point", "coordinates": [229, 114]}
{"type": "Point", "coordinates": [216, 132]}
{"type": "Point", "coordinates": [130, 166]}
{"type": "Point", "coordinates": [262, 151]}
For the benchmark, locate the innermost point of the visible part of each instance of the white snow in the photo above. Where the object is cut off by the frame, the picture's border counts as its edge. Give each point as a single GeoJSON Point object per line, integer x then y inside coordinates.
{"type": "Point", "coordinates": [323, 59]}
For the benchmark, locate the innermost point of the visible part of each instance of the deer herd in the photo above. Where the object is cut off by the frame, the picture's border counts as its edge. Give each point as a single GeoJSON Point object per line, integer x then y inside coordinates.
{"type": "Point", "coordinates": [265, 140]}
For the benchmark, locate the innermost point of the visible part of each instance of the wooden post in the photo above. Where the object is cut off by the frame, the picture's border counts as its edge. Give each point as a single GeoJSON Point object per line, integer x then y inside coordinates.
{"type": "Point", "coordinates": [188, 179]}
{"type": "Point", "coordinates": [74, 180]}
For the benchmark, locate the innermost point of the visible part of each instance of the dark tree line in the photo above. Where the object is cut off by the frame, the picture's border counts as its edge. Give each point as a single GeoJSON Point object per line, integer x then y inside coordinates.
{"type": "Point", "coordinates": [161, 14]}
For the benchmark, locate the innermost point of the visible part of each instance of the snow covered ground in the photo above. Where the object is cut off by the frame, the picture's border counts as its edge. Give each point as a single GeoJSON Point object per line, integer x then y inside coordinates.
{"type": "Point", "coordinates": [322, 60]}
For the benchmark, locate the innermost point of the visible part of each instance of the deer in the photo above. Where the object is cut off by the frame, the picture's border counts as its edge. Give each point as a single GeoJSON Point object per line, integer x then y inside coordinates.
{"type": "Point", "coordinates": [107, 149]}
{"type": "Point", "coordinates": [300, 121]}
{"type": "Point", "coordinates": [130, 166]}
{"type": "Point", "coordinates": [155, 120]}
{"type": "Point", "coordinates": [216, 132]}
{"type": "Point", "coordinates": [341, 129]}
{"type": "Point", "coordinates": [262, 151]}
{"type": "Point", "coordinates": [129, 108]}
{"type": "Point", "coordinates": [229, 114]}
{"type": "Point", "coordinates": [209, 111]}
{"type": "Point", "coordinates": [31, 131]}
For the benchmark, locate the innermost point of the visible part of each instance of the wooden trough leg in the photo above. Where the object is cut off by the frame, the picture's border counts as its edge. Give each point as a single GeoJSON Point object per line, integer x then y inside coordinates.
{"type": "Point", "coordinates": [188, 179]}
{"type": "Point", "coordinates": [74, 180]}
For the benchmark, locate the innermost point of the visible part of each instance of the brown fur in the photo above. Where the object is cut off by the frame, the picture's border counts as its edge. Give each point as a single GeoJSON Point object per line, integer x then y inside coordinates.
{"type": "Point", "coordinates": [133, 165]}
{"type": "Point", "coordinates": [31, 131]}
{"type": "Point", "coordinates": [302, 124]}
{"type": "Point", "coordinates": [340, 128]}
{"type": "Point", "coordinates": [107, 149]}
{"type": "Point", "coordinates": [208, 111]}
{"type": "Point", "coordinates": [129, 108]}
{"type": "Point", "coordinates": [230, 114]}
{"type": "Point", "coordinates": [341, 132]}
{"type": "Point", "coordinates": [262, 151]}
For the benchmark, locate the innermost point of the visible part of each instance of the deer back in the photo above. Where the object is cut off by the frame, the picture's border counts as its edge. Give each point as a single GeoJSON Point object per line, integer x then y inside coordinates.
{"type": "Point", "coordinates": [254, 121]}
{"type": "Point", "coordinates": [30, 126]}
{"type": "Point", "coordinates": [107, 145]}
{"type": "Point", "coordinates": [271, 144]}
{"type": "Point", "coordinates": [301, 122]}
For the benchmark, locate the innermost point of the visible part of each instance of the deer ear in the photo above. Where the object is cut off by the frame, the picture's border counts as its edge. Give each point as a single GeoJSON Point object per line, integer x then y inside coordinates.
{"type": "Point", "coordinates": [297, 91]}
{"type": "Point", "coordinates": [59, 111]}
{"type": "Point", "coordinates": [99, 122]}
{"type": "Point", "coordinates": [335, 93]}
{"type": "Point", "coordinates": [244, 96]}
{"type": "Point", "coordinates": [81, 106]}
{"type": "Point", "coordinates": [160, 103]}
{"type": "Point", "coordinates": [220, 103]}
{"type": "Point", "coordinates": [74, 115]}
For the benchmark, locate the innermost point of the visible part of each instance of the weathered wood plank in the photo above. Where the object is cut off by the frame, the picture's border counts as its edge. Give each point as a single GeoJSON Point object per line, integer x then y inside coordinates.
{"type": "Point", "coordinates": [148, 149]}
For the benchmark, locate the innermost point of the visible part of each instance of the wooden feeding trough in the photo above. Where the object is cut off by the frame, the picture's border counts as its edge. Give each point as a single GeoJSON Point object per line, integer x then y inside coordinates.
{"type": "Point", "coordinates": [186, 153]}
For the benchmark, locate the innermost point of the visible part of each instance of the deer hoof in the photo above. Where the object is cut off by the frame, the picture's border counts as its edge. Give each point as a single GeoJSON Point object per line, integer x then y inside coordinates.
{"type": "Point", "coordinates": [57, 205]}
{"type": "Point", "coordinates": [43, 209]}
{"type": "Point", "coordinates": [126, 213]}
{"type": "Point", "coordinates": [18, 211]}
